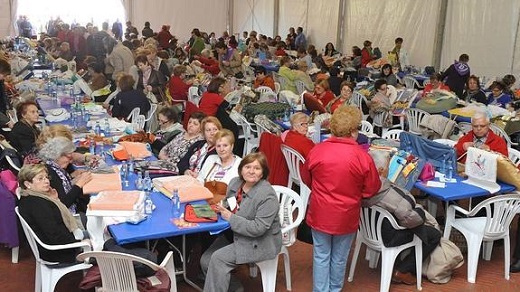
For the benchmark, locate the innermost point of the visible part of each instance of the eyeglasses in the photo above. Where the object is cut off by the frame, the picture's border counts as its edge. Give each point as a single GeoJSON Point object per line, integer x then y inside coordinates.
{"type": "Point", "coordinates": [303, 124]}
{"type": "Point", "coordinates": [163, 122]}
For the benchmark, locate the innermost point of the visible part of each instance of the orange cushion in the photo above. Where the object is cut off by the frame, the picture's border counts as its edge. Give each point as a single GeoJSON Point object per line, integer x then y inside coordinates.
{"type": "Point", "coordinates": [103, 182]}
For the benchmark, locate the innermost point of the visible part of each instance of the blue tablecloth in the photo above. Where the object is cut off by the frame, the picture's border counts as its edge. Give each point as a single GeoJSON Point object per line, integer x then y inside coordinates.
{"type": "Point", "coordinates": [456, 118]}
{"type": "Point", "coordinates": [65, 102]}
{"type": "Point", "coordinates": [268, 67]}
{"type": "Point", "coordinates": [159, 225]}
{"type": "Point", "coordinates": [419, 77]}
{"type": "Point", "coordinates": [460, 190]}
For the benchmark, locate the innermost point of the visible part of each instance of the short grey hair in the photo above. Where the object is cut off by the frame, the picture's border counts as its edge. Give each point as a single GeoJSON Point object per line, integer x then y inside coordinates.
{"type": "Point", "coordinates": [480, 114]}
{"type": "Point", "coordinates": [381, 158]}
{"type": "Point", "coordinates": [56, 147]}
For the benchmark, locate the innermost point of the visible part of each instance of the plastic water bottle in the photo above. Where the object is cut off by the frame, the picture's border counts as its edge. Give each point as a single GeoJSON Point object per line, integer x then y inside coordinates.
{"type": "Point", "coordinates": [97, 129]}
{"type": "Point", "coordinates": [176, 204]}
{"type": "Point", "coordinates": [139, 181]}
{"type": "Point", "coordinates": [92, 147]}
{"type": "Point", "coordinates": [124, 170]}
{"type": "Point", "coordinates": [71, 93]}
{"type": "Point", "coordinates": [107, 127]}
{"type": "Point", "coordinates": [148, 204]}
{"type": "Point", "coordinates": [131, 164]}
{"type": "Point", "coordinates": [147, 182]}
{"type": "Point", "coordinates": [449, 170]}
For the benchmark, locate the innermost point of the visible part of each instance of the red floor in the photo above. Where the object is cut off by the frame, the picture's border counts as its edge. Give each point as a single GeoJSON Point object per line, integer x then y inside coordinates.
{"type": "Point", "coordinates": [490, 275]}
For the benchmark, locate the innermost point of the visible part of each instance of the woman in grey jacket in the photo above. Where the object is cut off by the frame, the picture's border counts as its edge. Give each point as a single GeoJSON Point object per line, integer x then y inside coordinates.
{"type": "Point", "coordinates": [251, 207]}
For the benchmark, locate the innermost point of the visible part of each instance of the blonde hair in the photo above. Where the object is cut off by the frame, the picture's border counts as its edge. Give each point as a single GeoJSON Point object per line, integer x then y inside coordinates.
{"type": "Point", "coordinates": [299, 116]}
{"type": "Point", "coordinates": [345, 120]}
{"type": "Point", "coordinates": [225, 133]}
{"type": "Point", "coordinates": [53, 131]}
{"type": "Point", "coordinates": [28, 172]}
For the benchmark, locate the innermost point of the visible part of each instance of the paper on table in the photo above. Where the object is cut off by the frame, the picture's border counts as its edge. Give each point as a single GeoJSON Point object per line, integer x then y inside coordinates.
{"type": "Point", "coordinates": [435, 184]}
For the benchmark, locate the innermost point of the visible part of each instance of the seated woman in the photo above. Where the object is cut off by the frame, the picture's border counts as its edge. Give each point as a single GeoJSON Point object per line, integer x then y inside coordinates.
{"type": "Point", "coordinates": [208, 62]}
{"type": "Point", "coordinates": [497, 95]}
{"type": "Point", "coordinates": [179, 145]}
{"type": "Point", "coordinates": [296, 137]}
{"type": "Point", "coordinates": [222, 166]}
{"type": "Point", "coordinates": [169, 127]}
{"type": "Point", "coordinates": [473, 91]}
{"type": "Point", "coordinates": [56, 153]}
{"type": "Point", "coordinates": [346, 88]}
{"type": "Point", "coordinates": [321, 93]}
{"type": "Point", "coordinates": [51, 221]}
{"type": "Point", "coordinates": [191, 163]}
{"type": "Point", "coordinates": [262, 78]}
{"type": "Point", "coordinates": [435, 83]}
{"type": "Point", "coordinates": [330, 51]}
{"type": "Point", "coordinates": [255, 227]}
{"type": "Point", "coordinates": [388, 75]}
{"type": "Point", "coordinates": [178, 85]}
{"type": "Point", "coordinates": [381, 103]}
{"type": "Point", "coordinates": [129, 98]}
{"type": "Point", "coordinates": [24, 133]}
{"type": "Point", "coordinates": [213, 98]}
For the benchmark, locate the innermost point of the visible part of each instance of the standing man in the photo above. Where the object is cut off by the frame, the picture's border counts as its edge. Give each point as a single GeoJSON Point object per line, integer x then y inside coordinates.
{"type": "Point", "coordinates": [300, 41]}
{"type": "Point", "coordinates": [400, 53]}
{"type": "Point", "coordinates": [117, 30]}
{"type": "Point", "coordinates": [457, 75]}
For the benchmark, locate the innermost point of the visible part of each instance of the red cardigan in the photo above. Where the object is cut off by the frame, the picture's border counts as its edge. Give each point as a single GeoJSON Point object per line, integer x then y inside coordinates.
{"type": "Point", "coordinates": [495, 143]}
{"type": "Point", "coordinates": [209, 103]}
{"type": "Point", "coordinates": [178, 88]}
{"type": "Point", "coordinates": [340, 174]}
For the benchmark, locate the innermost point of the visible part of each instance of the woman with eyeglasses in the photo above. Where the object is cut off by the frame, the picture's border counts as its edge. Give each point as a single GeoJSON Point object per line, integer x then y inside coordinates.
{"type": "Point", "coordinates": [296, 137]}
{"type": "Point", "coordinates": [192, 162]}
{"type": "Point", "coordinates": [180, 143]}
{"type": "Point", "coordinates": [169, 127]}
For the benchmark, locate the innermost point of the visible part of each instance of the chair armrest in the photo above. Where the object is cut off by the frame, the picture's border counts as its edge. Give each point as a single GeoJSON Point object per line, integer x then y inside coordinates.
{"type": "Point", "coordinates": [83, 244]}
{"type": "Point", "coordinates": [459, 209]}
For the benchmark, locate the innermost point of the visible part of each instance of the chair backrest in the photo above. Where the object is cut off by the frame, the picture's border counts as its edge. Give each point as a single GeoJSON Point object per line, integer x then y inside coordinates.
{"type": "Point", "coordinates": [264, 89]}
{"type": "Point", "coordinates": [500, 211]}
{"type": "Point", "coordinates": [247, 129]}
{"type": "Point", "coordinates": [117, 269]}
{"type": "Point", "coordinates": [31, 237]}
{"type": "Point", "coordinates": [410, 82]}
{"type": "Point", "coordinates": [133, 114]}
{"type": "Point", "coordinates": [294, 161]}
{"type": "Point", "coordinates": [151, 112]}
{"type": "Point", "coordinates": [300, 86]}
{"type": "Point", "coordinates": [464, 127]}
{"type": "Point", "coordinates": [366, 127]}
{"type": "Point", "coordinates": [392, 134]}
{"type": "Point", "coordinates": [414, 117]}
{"type": "Point", "coordinates": [426, 82]}
{"type": "Point", "coordinates": [294, 204]}
{"type": "Point", "coordinates": [138, 122]}
{"type": "Point", "coordinates": [370, 223]}
{"type": "Point", "coordinates": [277, 87]}
{"type": "Point", "coordinates": [497, 130]}
{"type": "Point", "coordinates": [193, 95]}
{"type": "Point", "coordinates": [260, 129]}
{"type": "Point", "coordinates": [357, 100]}
{"type": "Point", "coordinates": [514, 155]}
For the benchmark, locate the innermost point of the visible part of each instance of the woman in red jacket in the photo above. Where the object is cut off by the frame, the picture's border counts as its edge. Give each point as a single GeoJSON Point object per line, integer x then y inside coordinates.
{"type": "Point", "coordinates": [296, 137]}
{"type": "Point", "coordinates": [213, 98]}
{"type": "Point", "coordinates": [340, 173]}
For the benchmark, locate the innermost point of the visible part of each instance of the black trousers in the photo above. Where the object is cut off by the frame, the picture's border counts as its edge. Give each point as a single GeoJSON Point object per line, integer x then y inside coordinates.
{"type": "Point", "coordinates": [391, 237]}
{"type": "Point", "coordinates": [516, 251]}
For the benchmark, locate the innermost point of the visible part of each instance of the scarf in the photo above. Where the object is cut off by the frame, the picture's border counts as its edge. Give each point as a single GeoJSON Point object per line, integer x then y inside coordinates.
{"type": "Point", "coordinates": [68, 219]}
{"type": "Point", "coordinates": [65, 180]}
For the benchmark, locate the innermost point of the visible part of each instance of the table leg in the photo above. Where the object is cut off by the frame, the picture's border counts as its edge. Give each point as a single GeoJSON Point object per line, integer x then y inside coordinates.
{"type": "Point", "coordinates": [184, 270]}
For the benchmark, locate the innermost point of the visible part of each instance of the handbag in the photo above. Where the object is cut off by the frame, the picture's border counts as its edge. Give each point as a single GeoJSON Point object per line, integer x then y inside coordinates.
{"type": "Point", "coordinates": [427, 173]}
{"type": "Point", "coordinates": [404, 169]}
{"type": "Point", "coordinates": [445, 258]}
{"type": "Point", "coordinates": [190, 213]}
{"type": "Point", "coordinates": [217, 188]}
{"type": "Point", "coordinates": [304, 232]}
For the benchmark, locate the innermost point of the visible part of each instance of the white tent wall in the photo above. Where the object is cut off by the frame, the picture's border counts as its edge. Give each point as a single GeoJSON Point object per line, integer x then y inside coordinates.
{"type": "Point", "coordinates": [293, 13]}
{"type": "Point", "coordinates": [383, 21]}
{"type": "Point", "coordinates": [322, 23]}
{"type": "Point", "coordinates": [181, 15]}
{"type": "Point", "coordinates": [255, 15]}
{"type": "Point", "coordinates": [6, 26]}
{"type": "Point", "coordinates": [486, 32]}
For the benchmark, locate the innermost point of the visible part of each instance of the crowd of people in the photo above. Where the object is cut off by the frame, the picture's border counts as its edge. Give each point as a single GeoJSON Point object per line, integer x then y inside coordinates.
{"type": "Point", "coordinates": [155, 68]}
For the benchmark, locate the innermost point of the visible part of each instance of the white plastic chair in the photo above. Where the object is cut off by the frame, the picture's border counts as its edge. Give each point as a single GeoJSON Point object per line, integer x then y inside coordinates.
{"type": "Point", "coordinates": [414, 117]}
{"type": "Point", "coordinates": [497, 130]}
{"type": "Point", "coordinates": [193, 95]}
{"type": "Point", "coordinates": [410, 82]}
{"type": "Point", "coordinates": [277, 87]}
{"type": "Point", "coordinates": [369, 233]}
{"type": "Point", "coordinates": [366, 127]}
{"type": "Point", "coordinates": [392, 134]}
{"type": "Point", "coordinates": [294, 160]}
{"type": "Point", "coordinates": [133, 114]}
{"type": "Point", "coordinates": [260, 129]}
{"type": "Point", "coordinates": [47, 276]}
{"type": "Point", "coordinates": [117, 269]}
{"type": "Point", "coordinates": [138, 123]}
{"type": "Point", "coordinates": [151, 114]}
{"type": "Point", "coordinates": [514, 155]}
{"type": "Point", "coordinates": [500, 211]}
{"type": "Point", "coordinates": [264, 89]}
{"type": "Point", "coordinates": [250, 141]}
{"type": "Point", "coordinates": [357, 100]}
{"type": "Point", "coordinates": [300, 86]}
{"type": "Point", "coordinates": [268, 269]}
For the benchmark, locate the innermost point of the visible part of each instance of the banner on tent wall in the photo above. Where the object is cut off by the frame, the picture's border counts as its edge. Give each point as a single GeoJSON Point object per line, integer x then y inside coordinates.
{"type": "Point", "coordinates": [382, 22]}
{"type": "Point", "coordinates": [486, 32]}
